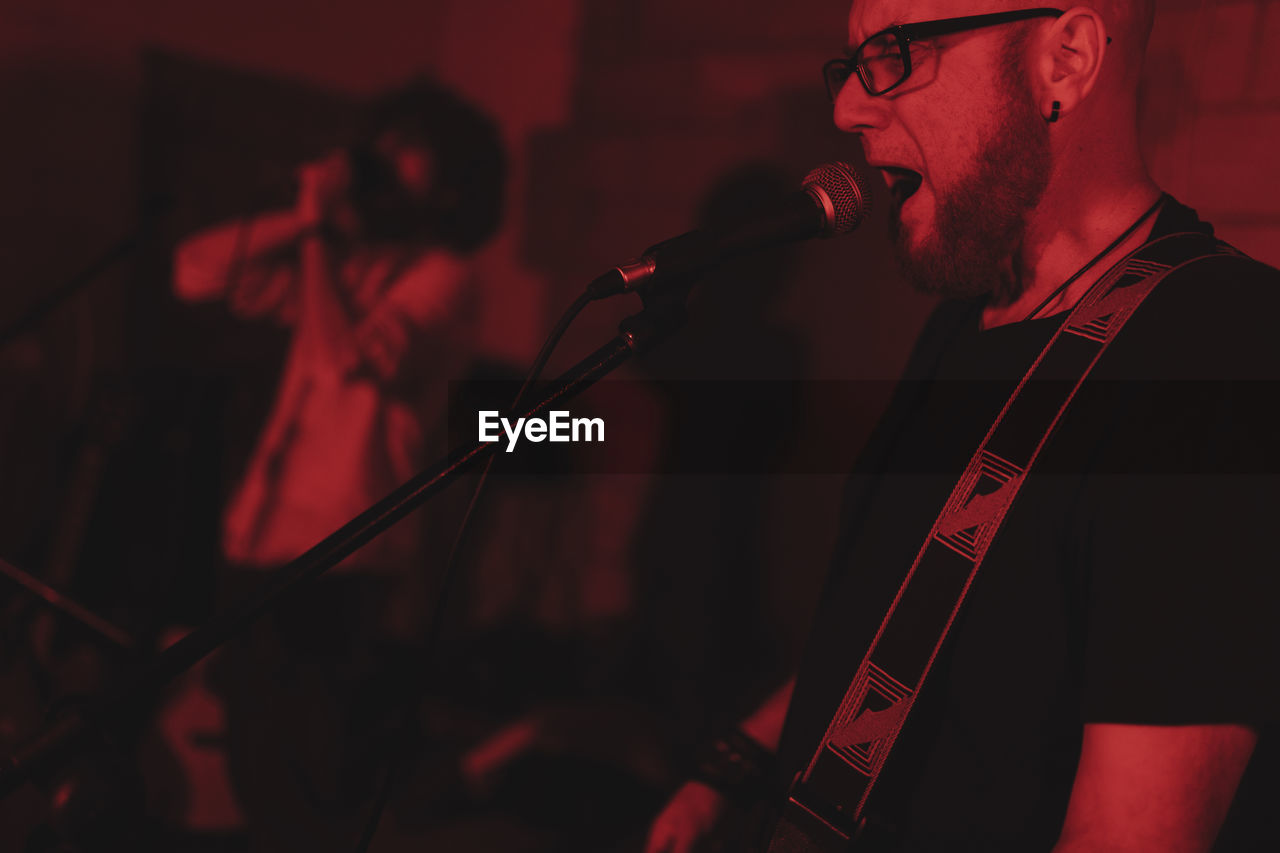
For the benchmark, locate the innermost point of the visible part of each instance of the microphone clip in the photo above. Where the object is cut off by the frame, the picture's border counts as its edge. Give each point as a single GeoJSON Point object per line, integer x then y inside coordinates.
{"type": "Point", "coordinates": [626, 277]}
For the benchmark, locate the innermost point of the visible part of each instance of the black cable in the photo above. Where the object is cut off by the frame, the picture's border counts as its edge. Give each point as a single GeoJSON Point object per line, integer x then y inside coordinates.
{"type": "Point", "coordinates": [539, 362]}
{"type": "Point", "coordinates": [45, 305]}
{"type": "Point", "coordinates": [451, 574]}
{"type": "Point", "coordinates": [1128, 232]}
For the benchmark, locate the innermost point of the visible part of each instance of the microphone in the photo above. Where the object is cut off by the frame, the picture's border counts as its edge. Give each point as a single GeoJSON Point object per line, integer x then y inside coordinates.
{"type": "Point", "coordinates": [834, 200]}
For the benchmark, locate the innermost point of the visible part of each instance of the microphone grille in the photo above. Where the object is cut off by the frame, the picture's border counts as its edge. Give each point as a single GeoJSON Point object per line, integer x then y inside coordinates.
{"type": "Point", "coordinates": [843, 194]}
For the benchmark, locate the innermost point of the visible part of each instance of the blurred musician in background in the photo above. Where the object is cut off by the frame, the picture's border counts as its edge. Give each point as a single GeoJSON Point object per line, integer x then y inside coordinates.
{"type": "Point", "coordinates": [370, 272]}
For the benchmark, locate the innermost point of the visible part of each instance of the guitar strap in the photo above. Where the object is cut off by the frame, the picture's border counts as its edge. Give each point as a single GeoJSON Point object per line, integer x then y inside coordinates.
{"type": "Point", "coordinates": [827, 802]}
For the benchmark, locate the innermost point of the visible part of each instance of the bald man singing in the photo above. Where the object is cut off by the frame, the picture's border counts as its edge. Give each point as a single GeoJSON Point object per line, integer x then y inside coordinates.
{"type": "Point", "coordinates": [1108, 682]}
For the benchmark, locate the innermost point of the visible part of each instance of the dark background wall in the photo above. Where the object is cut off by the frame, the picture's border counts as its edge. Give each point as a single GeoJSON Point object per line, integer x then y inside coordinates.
{"type": "Point", "coordinates": [619, 115]}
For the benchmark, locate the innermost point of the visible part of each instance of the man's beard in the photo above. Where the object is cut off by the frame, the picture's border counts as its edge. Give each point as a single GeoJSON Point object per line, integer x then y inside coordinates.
{"type": "Point", "coordinates": [980, 221]}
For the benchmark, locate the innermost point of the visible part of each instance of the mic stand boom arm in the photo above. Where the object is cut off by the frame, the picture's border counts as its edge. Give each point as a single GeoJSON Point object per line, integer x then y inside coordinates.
{"type": "Point", "coordinates": [59, 740]}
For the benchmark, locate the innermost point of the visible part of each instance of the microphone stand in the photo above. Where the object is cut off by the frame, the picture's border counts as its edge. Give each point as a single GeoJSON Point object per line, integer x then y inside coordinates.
{"type": "Point", "coordinates": [51, 300]}
{"type": "Point", "coordinates": [151, 211]}
{"type": "Point", "coordinates": [60, 740]}
{"type": "Point", "coordinates": [68, 607]}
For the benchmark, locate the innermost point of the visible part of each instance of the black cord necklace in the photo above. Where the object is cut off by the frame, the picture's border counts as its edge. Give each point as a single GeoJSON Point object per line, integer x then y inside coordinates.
{"type": "Point", "coordinates": [1128, 232]}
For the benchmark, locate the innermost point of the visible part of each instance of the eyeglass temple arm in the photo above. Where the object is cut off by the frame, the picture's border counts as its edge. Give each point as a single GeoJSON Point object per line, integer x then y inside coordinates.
{"type": "Point", "coordinates": [947, 26]}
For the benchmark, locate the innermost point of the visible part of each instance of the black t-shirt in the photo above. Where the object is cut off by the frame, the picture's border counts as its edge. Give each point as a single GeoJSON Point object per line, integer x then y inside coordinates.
{"type": "Point", "coordinates": [1134, 580]}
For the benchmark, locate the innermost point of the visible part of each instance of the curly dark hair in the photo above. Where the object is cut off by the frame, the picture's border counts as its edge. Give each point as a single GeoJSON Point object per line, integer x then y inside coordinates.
{"type": "Point", "coordinates": [466, 199]}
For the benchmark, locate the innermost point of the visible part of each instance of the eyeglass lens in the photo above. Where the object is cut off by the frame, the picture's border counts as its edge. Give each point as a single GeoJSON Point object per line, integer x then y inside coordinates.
{"type": "Point", "coordinates": [881, 63]}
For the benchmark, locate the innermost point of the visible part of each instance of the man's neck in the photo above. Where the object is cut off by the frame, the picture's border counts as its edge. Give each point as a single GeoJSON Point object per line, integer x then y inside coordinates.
{"type": "Point", "coordinates": [1068, 229]}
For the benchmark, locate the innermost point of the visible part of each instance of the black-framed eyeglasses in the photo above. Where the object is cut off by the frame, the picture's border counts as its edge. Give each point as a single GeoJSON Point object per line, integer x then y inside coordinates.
{"type": "Point", "coordinates": [883, 61]}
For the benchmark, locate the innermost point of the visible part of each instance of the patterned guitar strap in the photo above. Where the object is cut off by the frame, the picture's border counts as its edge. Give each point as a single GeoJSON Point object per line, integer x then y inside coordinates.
{"type": "Point", "coordinates": [825, 810]}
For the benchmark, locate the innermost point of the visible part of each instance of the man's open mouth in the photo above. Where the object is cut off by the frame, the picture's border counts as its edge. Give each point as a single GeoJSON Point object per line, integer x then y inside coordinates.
{"type": "Point", "coordinates": [902, 183]}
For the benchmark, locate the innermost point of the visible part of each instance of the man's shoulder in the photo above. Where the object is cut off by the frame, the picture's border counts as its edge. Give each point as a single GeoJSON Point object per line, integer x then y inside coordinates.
{"type": "Point", "coordinates": [1210, 317]}
{"type": "Point", "coordinates": [1230, 269]}
{"type": "Point", "coordinates": [1211, 278]}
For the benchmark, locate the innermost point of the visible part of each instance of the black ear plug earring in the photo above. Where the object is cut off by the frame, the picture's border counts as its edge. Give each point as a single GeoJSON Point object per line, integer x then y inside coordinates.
{"type": "Point", "coordinates": [1053, 112]}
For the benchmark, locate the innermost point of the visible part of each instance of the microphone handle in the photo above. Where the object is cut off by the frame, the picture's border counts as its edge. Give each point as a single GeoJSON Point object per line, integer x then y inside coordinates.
{"type": "Point", "coordinates": [797, 217]}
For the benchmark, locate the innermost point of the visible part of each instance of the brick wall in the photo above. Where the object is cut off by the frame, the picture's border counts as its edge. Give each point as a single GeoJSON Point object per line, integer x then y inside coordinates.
{"type": "Point", "coordinates": [1211, 115]}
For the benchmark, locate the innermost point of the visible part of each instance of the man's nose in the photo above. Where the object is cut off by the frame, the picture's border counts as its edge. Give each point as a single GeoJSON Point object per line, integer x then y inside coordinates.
{"type": "Point", "coordinates": [855, 111]}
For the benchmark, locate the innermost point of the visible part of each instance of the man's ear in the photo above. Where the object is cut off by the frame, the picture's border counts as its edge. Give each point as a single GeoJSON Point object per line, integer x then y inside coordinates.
{"type": "Point", "coordinates": [1071, 53]}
